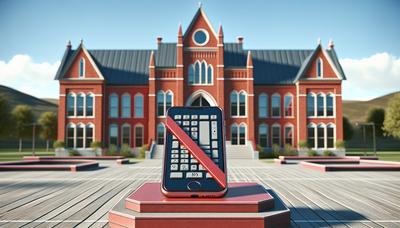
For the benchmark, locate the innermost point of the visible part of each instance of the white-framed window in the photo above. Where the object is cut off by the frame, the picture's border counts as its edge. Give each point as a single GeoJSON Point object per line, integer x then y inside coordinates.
{"type": "Point", "coordinates": [70, 135]}
{"type": "Point", "coordinates": [320, 68]}
{"type": "Point", "coordinates": [330, 104]}
{"type": "Point", "coordinates": [320, 104]}
{"type": "Point", "coordinates": [288, 105]}
{"type": "Point", "coordinates": [263, 135]}
{"type": "Point", "coordinates": [321, 136]}
{"type": "Point", "coordinates": [289, 131]}
{"type": "Point", "coordinates": [139, 109]}
{"type": "Point", "coordinates": [113, 135]}
{"type": "Point", "coordinates": [238, 103]}
{"type": "Point", "coordinates": [276, 105]}
{"type": "Point", "coordinates": [80, 136]}
{"type": "Point", "coordinates": [89, 135]}
{"type": "Point", "coordinates": [126, 105]}
{"type": "Point", "coordinates": [71, 104]}
{"type": "Point", "coordinates": [263, 105]}
{"type": "Point", "coordinates": [160, 134]}
{"type": "Point", "coordinates": [139, 135]}
{"type": "Point", "coordinates": [82, 68]}
{"type": "Point", "coordinates": [330, 135]}
{"type": "Point", "coordinates": [114, 105]}
{"type": "Point", "coordinates": [311, 135]}
{"type": "Point", "coordinates": [310, 104]}
{"type": "Point", "coordinates": [126, 134]}
{"type": "Point", "coordinates": [164, 101]}
{"type": "Point", "coordinates": [200, 73]}
{"type": "Point", "coordinates": [238, 134]}
{"type": "Point", "coordinates": [276, 134]}
{"type": "Point", "coordinates": [80, 104]}
{"type": "Point", "coordinates": [89, 104]}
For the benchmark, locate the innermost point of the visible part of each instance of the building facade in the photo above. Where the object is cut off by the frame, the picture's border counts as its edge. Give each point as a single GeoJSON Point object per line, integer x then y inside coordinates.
{"type": "Point", "coordinates": [268, 96]}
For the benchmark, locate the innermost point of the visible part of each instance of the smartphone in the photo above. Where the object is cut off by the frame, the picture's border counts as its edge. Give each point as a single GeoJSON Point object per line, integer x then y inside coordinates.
{"type": "Point", "coordinates": [189, 174]}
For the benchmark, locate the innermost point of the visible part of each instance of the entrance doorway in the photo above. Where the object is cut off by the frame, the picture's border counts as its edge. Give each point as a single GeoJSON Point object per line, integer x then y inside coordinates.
{"type": "Point", "coordinates": [201, 98]}
{"type": "Point", "coordinates": [200, 102]}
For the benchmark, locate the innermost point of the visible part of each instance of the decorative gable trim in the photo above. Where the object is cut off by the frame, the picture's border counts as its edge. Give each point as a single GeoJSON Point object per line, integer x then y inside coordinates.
{"type": "Point", "coordinates": [199, 12]}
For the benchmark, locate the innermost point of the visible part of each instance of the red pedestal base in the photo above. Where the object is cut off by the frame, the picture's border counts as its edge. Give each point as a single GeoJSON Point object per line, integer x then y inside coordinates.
{"type": "Point", "coordinates": [245, 204]}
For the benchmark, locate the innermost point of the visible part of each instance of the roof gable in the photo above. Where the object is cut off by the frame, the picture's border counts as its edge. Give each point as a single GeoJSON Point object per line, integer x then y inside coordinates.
{"type": "Point", "coordinates": [200, 21]}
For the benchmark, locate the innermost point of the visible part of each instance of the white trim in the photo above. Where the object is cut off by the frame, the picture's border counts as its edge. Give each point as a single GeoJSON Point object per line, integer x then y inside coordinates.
{"type": "Point", "coordinates": [238, 103]}
{"type": "Point", "coordinates": [179, 65]}
{"type": "Point", "coordinates": [192, 49]}
{"type": "Point", "coordinates": [179, 45]}
{"type": "Point", "coordinates": [207, 37]}
{"type": "Point", "coordinates": [332, 64]}
{"type": "Point", "coordinates": [151, 95]}
{"type": "Point", "coordinates": [165, 79]}
{"type": "Point", "coordinates": [220, 65]}
{"type": "Point", "coordinates": [92, 62]}
{"type": "Point", "coordinates": [235, 79]}
{"type": "Point", "coordinates": [210, 99]}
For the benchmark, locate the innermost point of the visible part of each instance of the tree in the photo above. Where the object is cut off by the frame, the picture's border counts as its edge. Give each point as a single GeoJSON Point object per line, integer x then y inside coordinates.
{"type": "Point", "coordinates": [23, 117]}
{"type": "Point", "coordinates": [391, 125]}
{"type": "Point", "coordinates": [48, 127]}
{"type": "Point", "coordinates": [5, 116]}
{"type": "Point", "coordinates": [347, 129]}
{"type": "Point", "coordinates": [376, 116]}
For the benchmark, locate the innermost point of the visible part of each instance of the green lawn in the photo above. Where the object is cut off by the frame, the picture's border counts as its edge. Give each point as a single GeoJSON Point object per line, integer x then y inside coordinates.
{"type": "Point", "coordinates": [13, 155]}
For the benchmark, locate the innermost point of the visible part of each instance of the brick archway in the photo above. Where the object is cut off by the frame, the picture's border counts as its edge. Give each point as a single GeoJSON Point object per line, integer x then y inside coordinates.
{"type": "Point", "coordinates": [203, 94]}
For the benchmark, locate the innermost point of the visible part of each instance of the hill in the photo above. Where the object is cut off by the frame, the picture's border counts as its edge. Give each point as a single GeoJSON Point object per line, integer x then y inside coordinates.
{"type": "Point", "coordinates": [357, 111]}
{"type": "Point", "coordinates": [15, 97]}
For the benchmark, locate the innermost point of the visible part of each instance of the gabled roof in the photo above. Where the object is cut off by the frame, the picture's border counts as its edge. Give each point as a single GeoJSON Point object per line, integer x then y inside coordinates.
{"type": "Point", "coordinates": [199, 12]}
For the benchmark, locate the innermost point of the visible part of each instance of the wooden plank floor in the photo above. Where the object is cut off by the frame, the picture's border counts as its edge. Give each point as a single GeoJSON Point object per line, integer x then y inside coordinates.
{"type": "Point", "coordinates": [82, 199]}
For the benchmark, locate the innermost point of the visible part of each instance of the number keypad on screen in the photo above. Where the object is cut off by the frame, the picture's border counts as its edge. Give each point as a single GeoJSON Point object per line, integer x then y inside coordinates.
{"type": "Point", "coordinates": [203, 129]}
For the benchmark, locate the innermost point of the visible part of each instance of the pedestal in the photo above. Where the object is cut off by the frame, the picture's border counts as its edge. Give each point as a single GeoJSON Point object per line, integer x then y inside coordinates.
{"type": "Point", "coordinates": [244, 205]}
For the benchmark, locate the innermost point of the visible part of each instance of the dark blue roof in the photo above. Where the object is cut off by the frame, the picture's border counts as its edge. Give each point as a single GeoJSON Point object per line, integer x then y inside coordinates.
{"type": "Point", "coordinates": [131, 67]}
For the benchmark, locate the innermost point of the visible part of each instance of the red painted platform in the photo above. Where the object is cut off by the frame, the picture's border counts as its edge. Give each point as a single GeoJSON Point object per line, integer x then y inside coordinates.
{"type": "Point", "coordinates": [241, 197]}
{"type": "Point", "coordinates": [351, 165]}
{"type": "Point", "coordinates": [48, 165]}
{"type": "Point", "coordinates": [244, 205]}
{"type": "Point", "coordinates": [73, 157]}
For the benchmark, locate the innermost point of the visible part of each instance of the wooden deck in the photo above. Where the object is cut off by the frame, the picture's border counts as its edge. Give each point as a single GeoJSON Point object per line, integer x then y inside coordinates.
{"type": "Point", "coordinates": [82, 199]}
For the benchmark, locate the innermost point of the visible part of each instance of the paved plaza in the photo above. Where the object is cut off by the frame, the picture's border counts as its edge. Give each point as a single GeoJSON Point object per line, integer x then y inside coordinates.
{"type": "Point", "coordinates": [83, 199]}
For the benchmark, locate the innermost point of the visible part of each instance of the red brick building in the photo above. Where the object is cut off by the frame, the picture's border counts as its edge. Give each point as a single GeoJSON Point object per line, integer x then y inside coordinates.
{"type": "Point", "coordinates": [269, 96]}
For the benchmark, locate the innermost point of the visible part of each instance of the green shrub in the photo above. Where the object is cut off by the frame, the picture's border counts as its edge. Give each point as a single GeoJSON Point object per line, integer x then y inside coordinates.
{"type": "Point", "coordinates": [59, 144]}
{"type": "Point", "coordinates": [126, 150]}
{"type": "Point", "coordinates": [312, 153]}
{"type": "Point", "coordinates": [288, 150]}
{"type": "Point", "coordinates": [74, 153]}
{"type": "Point", "coordinates": [259, 148]}
{"type": "Point", "coordinates": [112, 150]}
{"type": "Point", "coordinates": [96, 144]}
{"type": "Point", "coordinates": [276, 150]}
{"type": "Point", "coordinates": [142, 151]}
{"type": "Point", "coordinates": [328, 153]}
{"type": "Point", "coordinates": [303, 144]}
{"type": "Point", "coordinates": [340, 144]}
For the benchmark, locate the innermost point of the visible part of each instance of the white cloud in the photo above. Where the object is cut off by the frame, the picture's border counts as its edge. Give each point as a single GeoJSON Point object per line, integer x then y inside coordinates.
{"type": "Point", "coordinates": [370, 77]}
{"type": "Point", "coordinates": [36, 79]}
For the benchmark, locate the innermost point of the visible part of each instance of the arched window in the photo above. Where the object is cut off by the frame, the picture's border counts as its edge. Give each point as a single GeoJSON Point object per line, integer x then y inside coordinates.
{"type": "Point", "coordinates": [263, 135]}
{"type": "Point", "coordinates": [320, 104]}
{"type": "Point", "coordinates": [319, 68]}
{"type": "Point", "coordinates": [203, 73]}
{"type": "Point", "coordinates": [80, 104]}
{"type": "Point", "coordinates": [234, 103]}
{"type": "Point", "coordinates": [71, 104]}
{"type": "Point", "coordinates": [89, 104]}
{"type": "Point", "coordinates": [329, 105]}
{"type": "Point", "coordinates": [276, 105]}
{"type": "Point", "coordinates": [263, 105]}
{"type": "Point", "coordinates": [311, 135]}
{"type": "Point", "coordinates": [113, 105]}
{"type": "Point", "coordinates": [191, 74]}
{"type": "Point", "coordinates": [139, 135]}
{"type": "Point", "coordinates": [321, 136]}
{"type": "Point", "coordinates": [89, 135]}
{"type": "Point", "coordinates": [288, 105]}
{"type": "Point", "coordinates": [139, 109]}
{"type": "Point", "coordinates": [310, 104]}
{"type": "Point", "coordinates": [113, 135]}
{"type": "Point", "coordinates": [160, 103]}
{"type": "Point", "coordinates": [209, 74]}
{"type": "Point", "coordinates": [197, 73]}
{"type": "Point", "coordinates": [242, 134]}
{"type": "Point", "coordinates": [82, 68]}
{"type": "Point", "coordinates": [80, 128]}
{"type": "Point", "coordinates": [168, 100]}
{"type": "Point", "coordinates": [234, 134]}
{"type": "Point", "coordinates": [242, 103]}
{"type": "Point", "coordinates": [289, 134]}
{"type": "Point", "coordinates": [330, 132]}
{"type": "Point", "coordinates": [160, 134]}
{"type": "Point", "coordinates": [126, 135]}
{"type": "Point", "coordinates": [70, 136]}
{"type": "Point", "coordinates": [126, 105]}
{"type": "Point", "coordinates": [276, 134]}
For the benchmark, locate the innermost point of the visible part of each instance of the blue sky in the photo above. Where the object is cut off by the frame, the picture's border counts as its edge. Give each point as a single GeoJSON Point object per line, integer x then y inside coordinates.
{"type": "Point", "coordinates": [38, 31]}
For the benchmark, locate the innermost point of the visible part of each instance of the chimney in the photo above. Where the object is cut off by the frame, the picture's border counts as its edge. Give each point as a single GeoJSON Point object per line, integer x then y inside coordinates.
{"type": "Point", "coordinates": [159, 39]}
{"type": "Point", "coordinates": [240, 39]}
{"type": "Point", "coordinates": [331, 44]}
